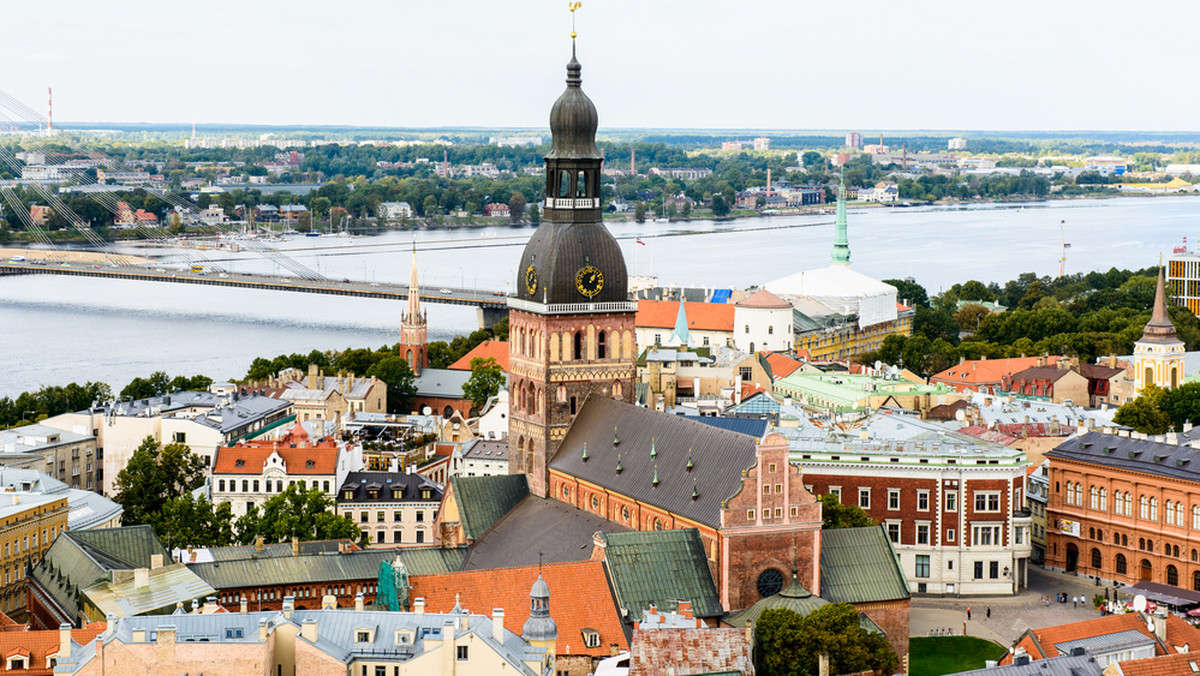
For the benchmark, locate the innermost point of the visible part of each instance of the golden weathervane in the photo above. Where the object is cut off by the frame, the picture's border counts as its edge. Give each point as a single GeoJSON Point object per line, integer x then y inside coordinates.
{"type": "Point", "coordinates": [573, 6]}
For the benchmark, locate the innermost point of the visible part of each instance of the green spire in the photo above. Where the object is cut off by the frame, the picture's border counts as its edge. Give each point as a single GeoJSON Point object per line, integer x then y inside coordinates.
{"type": "Point", "coordinates": [618, 463]}
{"type": "Point", "coordinates": [681, 336]}
{"type": "Point", "coordinates": [695, 489]}
{"type": "Point", "coordinates": [655, 481]}
{"type": "Point", "coordinates": [585, 451]}
{"type": "Point", "coordinates": [690, 464]}
{"type": "Point", "coordinates": [841, 242]}
{"type": "Point", "coordinates": [653, 452]}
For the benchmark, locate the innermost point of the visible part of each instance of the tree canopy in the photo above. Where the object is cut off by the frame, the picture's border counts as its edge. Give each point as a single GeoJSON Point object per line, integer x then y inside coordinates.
{"type": "Point", "coordinates": [401, 382]}
{"type": "Point", "coordinates": [154, 475]}
{"type": "Point", "coordinates": [486, 380]}
{"type": "Point", "coordinates": [296, 512]}
{"type": "Point", "coordinates": [836, 515]}
{"type": "Point", "coordinates": [787, 644]}
{"type": "Point", "coordinates": [187, 521]}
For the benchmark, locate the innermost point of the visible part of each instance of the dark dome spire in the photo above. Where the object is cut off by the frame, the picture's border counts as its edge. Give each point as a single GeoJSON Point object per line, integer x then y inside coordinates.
{"type": "Point", "coordinates": [573, 119]}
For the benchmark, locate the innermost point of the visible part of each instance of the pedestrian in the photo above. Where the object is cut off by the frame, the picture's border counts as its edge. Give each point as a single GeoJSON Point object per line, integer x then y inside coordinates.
{"type": "Point", "coordinates": [1074, 601]}
{"type": "Point", "coordinates": [989, 612]}
{"type": "Point", "coordinates": [968, 612]}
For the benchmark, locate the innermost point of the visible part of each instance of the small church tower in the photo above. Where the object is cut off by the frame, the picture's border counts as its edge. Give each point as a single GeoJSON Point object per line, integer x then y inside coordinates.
{"type": "Point", "coordinates": [1158, 354]}
{"type": "Point", "coordinates": [414, 329]}
{"type": "Point", "coordinates": [841, 239]}
{"type": "Point", "coordinates": [540, 629]}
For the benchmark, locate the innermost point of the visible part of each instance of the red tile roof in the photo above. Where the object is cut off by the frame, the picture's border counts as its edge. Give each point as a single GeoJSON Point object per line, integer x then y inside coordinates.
{"type": "Point", "coordinates": [1166, 665]}
{"type": "Point", "coordinates": [1039, 643]}
{"type": "Point", "coordinates": [763, 299]}
{"type": "Point", "coordinates": [496, 349]}
{"type": "Point", "coordinates": [40, 644]}
{"type": "Point", "coordinates": [253, 458]}
{"type": "Point", "coordinates": [985, 371]}
{"type": "Point", "coordinates": [661, 314]}
{"type": "Point", "coordinates": [579, 599]}
{"type": "Point", "coordinates": [988, 434]}
{"type": "Point", "coordinates": [782, 365]}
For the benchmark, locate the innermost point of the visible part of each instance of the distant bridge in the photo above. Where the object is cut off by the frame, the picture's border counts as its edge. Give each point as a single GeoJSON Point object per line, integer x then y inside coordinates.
{"type": "Point", "coordinates": [491, 305]}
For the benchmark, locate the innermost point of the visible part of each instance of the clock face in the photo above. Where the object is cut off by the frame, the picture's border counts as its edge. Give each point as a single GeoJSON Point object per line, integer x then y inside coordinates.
{"type": "Point", "coordinates": [589, 280]}
{"type": "Point", "coordinates": [531, 280]}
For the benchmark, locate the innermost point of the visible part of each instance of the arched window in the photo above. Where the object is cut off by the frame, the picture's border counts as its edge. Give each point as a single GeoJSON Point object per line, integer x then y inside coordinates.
{"type": "Point", "coordinates": [747, 328]}
{"type": "Point", "coordinates": [616, 344]}
{"type": "Point", "coordinates": [1172, 576]}
{"type": "Point", "coordinates": [1116, 539]}
{"type": "Point", "coordinates": [1096, 559]}
{"type": "Point", "coordinates": [1144, 507]}
{"type": "Point", "coordinates": [1174, 377]}
{"type": "Point", "coordinates": [1169, 512]}
{"type": "Point", "coordinates": [1094, 498]}
{"type": "Point", "coordinates": [1149, 376]}
{"type": "Point", "coordinates": [617, 390]}
{"type": "Point", "coordinates": [1128, 504]}
{"type": "Point", "coordinates": [560, 393]}
{"type": "Point", "coordinates": [1175, 551]}
{"type": "Point", "coordinates": [1124, 540]}
{"type": "Point", "coordinates": [1070, 493]}
{"type": "Point", "coordinates": [1141, 543]}
{"type": "Point", "coordinates": [578, 345]}
{"type": "Point", "coordinates": [564, 183]}
{"type": "Point", "coordinates": [1195, 517]}
{"type": "Point", "coordinates": [1120, 564]}
{"type": "Point", "coordinates": [581, 188]}
{"type": "Point", "coordinates": [1179, 514]}
{"type": "Point", "coordinates": [448, 411]}
{"type": "Point", "coordinates": [1154, 509]}
{"type": "Point", "coordinates": [601, 346]}
{"type": "Point", "coordinates": [1149, 545]}
{"type": "Point", "coordinates": [1091, 533]}
{"type": "Point", "coordinates": [770, 330]}
{"type": "Point", "coordinates": [751, 348]}
{"type": "Point", "coordinates": [1103, 499]}
{"type": "Point", "coordinates": [1196, 581]}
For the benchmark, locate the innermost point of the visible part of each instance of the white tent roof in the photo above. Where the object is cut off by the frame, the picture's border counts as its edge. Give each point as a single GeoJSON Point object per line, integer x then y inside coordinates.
{"type": "Point", "coordinates": [831, 282]}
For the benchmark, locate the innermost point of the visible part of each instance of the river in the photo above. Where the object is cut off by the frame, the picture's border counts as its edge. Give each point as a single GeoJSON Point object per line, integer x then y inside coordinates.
{"type": "Point", "coordinates": [55, 330]}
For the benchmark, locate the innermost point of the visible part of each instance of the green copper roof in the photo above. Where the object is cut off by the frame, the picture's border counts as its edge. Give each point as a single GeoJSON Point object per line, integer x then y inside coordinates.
{"type": "Point", "coordinates": [660, 567]}
{"type": "Point", "coordinates": [794, 597]}
{"type": "Point", "coordinates": [681, 335]}
{"type": "Point", "coordinates": [858, 565]}
{"type": "Point", "coordinates": [483, 500]}
{"type": "Point", "coordinates": [841, 241]}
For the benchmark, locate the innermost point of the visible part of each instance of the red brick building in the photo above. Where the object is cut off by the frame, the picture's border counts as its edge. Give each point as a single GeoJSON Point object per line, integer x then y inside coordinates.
{"type": "Point", "coordinates": [1126, 509]}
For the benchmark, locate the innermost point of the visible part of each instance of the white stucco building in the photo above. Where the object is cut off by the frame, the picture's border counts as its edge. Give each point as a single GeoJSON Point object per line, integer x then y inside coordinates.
{"type": "Point", "coordinates": [762, 322]}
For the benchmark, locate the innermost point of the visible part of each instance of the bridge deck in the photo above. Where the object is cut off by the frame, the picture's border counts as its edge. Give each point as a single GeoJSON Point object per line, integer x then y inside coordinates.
{"type": "Point", "coordinates": [488, 300]}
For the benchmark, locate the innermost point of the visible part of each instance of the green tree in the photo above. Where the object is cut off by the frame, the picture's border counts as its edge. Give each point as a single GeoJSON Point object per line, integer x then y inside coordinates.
{"type": "Point", "coordinates": [910, 293]}
{"type": "Point", "coordinates": [401, 382]}
{"type": "Point", "coordinates": [639, 212]}
{"type": "Point", "coordinates": [1181, 404]}
{"type": "Point", "coordinates": [187, 521]}
{"type": "Point", "coordinates": [720, 207]}
{"type": "Point", "coordinates": [141, 388]}
{"type": "Point", "coordinates": [1145, 413]}
{"type": "Point", "coordinates": [787, 644]}
{"type": "Point", "coordinates": [486, 380]}
{"type": "Point", "coordinates": [836, 515]}
{"type": "Point", "coordinates": [516, 207]}
{"type": "Point", "coordinates": [429, 208]}
{"type": "Point", "coordinates": [296, 512]}
{"type": "Point", "coordinates": [154, 475]}
{"type": "Point", "coordinates": [535, 214]}
{"type": "Point", "coordinates": [973, 290]}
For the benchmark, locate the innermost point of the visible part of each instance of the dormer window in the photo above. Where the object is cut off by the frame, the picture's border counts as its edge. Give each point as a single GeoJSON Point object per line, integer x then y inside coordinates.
{"type": "Point", "coordinates": [397, 493]}
{"type": "Point", "coordinates": [426, 494]}
{"type": "Point", "coordinates": [591, 638]}
{"type": "Point", "coordinates": [239, 463]}
{"type": "Point", "coordinates": [309, 464]}
{"type": "Point", "coordinates": [347, 495]}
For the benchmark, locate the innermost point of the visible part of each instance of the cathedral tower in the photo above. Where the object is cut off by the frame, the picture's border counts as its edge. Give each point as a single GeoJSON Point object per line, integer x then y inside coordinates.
{"type": "Point", "coordinates": [571, 323]}
{"type": "Point", "coordinates": [1158, 354]}
{"type": "Point", "coordinates": [413, 327]}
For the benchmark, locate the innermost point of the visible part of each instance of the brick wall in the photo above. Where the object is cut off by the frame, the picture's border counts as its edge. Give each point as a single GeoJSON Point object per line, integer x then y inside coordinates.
{"type": "Point", "coordinates": [892, 618]}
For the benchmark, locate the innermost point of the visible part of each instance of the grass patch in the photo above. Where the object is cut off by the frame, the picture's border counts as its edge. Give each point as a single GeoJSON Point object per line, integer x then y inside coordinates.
{"type": "Point", "coordinates": [937, 655]}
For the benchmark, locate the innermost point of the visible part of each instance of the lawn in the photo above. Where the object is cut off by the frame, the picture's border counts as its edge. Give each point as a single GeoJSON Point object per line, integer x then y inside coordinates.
{"type": "Point", "coordinates": [937, 655]}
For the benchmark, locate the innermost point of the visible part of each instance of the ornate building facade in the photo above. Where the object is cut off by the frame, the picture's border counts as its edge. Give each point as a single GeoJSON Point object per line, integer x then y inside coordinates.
{"type": "Point", "coordinates": [571, 324]}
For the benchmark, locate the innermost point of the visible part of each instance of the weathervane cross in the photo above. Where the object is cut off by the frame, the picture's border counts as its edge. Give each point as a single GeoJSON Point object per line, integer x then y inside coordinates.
{"type": "Point", "coordinates": [573, 6]}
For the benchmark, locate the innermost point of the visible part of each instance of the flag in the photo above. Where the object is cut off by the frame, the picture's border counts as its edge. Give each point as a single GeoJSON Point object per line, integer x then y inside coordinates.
{"type": "Point", "coordinates": [639, 241]}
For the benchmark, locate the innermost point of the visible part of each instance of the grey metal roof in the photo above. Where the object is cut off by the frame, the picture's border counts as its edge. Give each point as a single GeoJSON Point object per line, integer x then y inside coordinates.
{"type": "Point", "coordinates": [717, 457]}
{"type": "Point", "coordinates": [314, 568]}
{"type": "Point", "coordinates": [748, 426]}
{"type": "Point", "coordinates": [536, 530]}
{"type": "Point", "coordinates": [858, 565]}
{"type": "Point", "coordinates": [168, 586]}
{"type": "Point", "coordinates": [383, 484]}
{"type": "Point", "coordinates": [1107, 642]}
{"type": "Point", "coordinates": [1134, 455]}
{"type": "Point", "coordinates": [1065, 665]}
{"type": "Point", "coordinates": [487, 449]}
{"type": "Point", "coordinates": [31, 438]}
{"type": "Point", "coordinates": [88, 509]}
{"type": "Point", "coordinates": [443, 383]}
{"type": "Point", "coordinates": [484, 500]}
{"type": "Point", "coordinates": [239, 552]}
{"type": "Point", "coordinates": [79, 559]}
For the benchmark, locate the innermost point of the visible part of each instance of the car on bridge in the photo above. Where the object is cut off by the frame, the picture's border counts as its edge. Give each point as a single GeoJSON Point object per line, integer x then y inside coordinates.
{"type": "Point", "coordinates": [445, 291]}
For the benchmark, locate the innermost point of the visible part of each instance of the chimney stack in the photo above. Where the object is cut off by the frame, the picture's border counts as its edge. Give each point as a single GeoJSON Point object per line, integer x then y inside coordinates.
{"type": "Point", "coordinates": [258, 544]}
{"type": "Point", "coordinates": [289, 604]}
{"type": "Point", "coordinates": [64, 644]}
{"type": "Point", "coordinates": [156, 561]}
{"type": "Point", "coordinates": [245, 605]}
{"type": "Point", "coordinates": [295, 546]}
{"type": "Point", "coordinates": [141, 578]}
{"type": "Point", "coordinates": [359, 602]}
{"type": "Point", "coordinates": [329, 602]}
{"type": "Point", "coordinates": [498, 625]}
{"type": "Point", "coordinates": [308, 630]}
{"type": "Point", "coordinates": [419, 606]}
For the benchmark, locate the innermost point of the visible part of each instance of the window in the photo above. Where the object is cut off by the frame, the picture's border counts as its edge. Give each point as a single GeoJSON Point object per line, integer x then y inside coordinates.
{"type": "Point", "coordinates": [893, 498]}
{"type": "Point", "coordinates": [994, 570]}
{"type": "Point", "coordinates": [864, 498]}
{"type": "Point", "coordinates": [578, 351]}
{"type": "Point", "coordinates": [950, 535]}
{"type": "Point", "coordinates": [233, 632]}
{"type": "Point", "coordinates": [364, 517]}
{"type": "Point", "coordinates": [836, 491]}
{"type": "Point", "coordinates": [985, 535]}
{"type": "Point", "coordinates": [1121, 564]}
{"type": "Point", "coordinates": [1154, 509]}
{"type": "Point", "coordinates": [951, 501]}
{"type": "Point", "coordinates": [987, 501]}
{"type": "Point", "coordinates": [396, 515]}
{"type": "Point", "coordinates": [1178, 514]}
{"type": "Point", "coordinates": [1104, 500]}
{"type": "Point", "coordinates": [922, 533]}
{"type": "Point", "coordinates": [379, 515]}
{"type": "Point", "coordinates": [181, 437]}
{"type": "Point", "coordinates": [979, 570]}
{"type": "Point", "coordinates": [1094, 497]}
{"type": "Point", "coordinates": [922, 565]}
{"type": "Point", "coordinates": [1172, 576]}
{"type": "Point", "coordinates": [420, 515]}
{"type": "Point", "coordinates": [1096, 561]}
{"type": "Point", "coordinates": [747, 328]}
{"type": "Point", "coordinates": [420, 536]}
{"type": "Point", "coordinates": [770, 582]}
{"type": "Point", "coordinates": [923, 501]}
{"type": "Point", "coordinates": [1144, 508]}
{"type": "Point", "coordinates": [893, 529]}
{"type": "Point", "coordinates": [601, 346]}
{"type": "Point", "coordinates": [461, 653]}
{"type": "Point", "coordinates": [749, 514]}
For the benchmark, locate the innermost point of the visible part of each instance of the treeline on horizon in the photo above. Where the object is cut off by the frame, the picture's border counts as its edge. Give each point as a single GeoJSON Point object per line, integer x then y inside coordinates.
{"type": "Point", "coordinates": [1087, 316]}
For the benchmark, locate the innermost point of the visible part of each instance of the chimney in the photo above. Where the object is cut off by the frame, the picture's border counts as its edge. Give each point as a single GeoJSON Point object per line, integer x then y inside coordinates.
{"type": "Point", "coordinates": [262, 629]}
{"type": "Point", "coordinates": [156, 561]}
{"type": "Point", "coordinates": [258, 544]}
{"type": "Point", "coordinates": [245, 606]}
{"type": "Point", "coordinates": [419, 606]}
{"type": "Point", "coordinates": [289, 604]}
{"type": "Point", "coordinates": [312, 377]}
{"type": "Point", "coordinates": [329, 602]}
{"type": "Point", "coordinates": [1160, 625]}
{"type": "Point", "coordinates": [358, 602]}
{"type": "Point", "coordinates": [498, 625]}
{"type": "Point", "coordinates": [141, 578]}
{"type": "Point", "coordinates": [165, 635]}
{"type": "Point", "coordinates": [685, 608]}
{"type": "Point", "coordinates": [110, 624]}
{"type": "Point", "coordinates": [295, 546]}
{"type": "Point", "coordinates": [599, 546]}
{"type": "Point", "coordinates": [64, 644]}
{"type": "Point", "coordinates": [308, 630]}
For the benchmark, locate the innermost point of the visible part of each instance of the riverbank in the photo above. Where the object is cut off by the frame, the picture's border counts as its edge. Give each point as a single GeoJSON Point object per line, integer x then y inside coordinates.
{"type": "Point", "coordinates": [56, 256]}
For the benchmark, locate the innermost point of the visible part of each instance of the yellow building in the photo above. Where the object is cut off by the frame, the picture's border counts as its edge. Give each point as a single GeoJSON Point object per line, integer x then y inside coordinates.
{"type": "Point", "coordinates": [1158, 355]}
{"type": "Point", "coordinates": [29, 523]}
{"type": "Point", "coordinates": [835, 338]}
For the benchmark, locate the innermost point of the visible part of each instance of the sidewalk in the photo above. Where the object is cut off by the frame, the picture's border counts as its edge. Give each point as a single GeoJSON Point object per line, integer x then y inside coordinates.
{"type": "Point", "coordinates": [1011, 615]}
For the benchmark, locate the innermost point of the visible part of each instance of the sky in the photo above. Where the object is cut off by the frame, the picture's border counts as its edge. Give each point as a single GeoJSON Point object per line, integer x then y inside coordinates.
{"type": "Point", "coordinates": [707, 64]}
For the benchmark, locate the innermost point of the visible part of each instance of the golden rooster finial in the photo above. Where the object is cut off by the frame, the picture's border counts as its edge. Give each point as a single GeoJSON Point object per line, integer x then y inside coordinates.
{"type": "Point", "coordinates": [573, 6]}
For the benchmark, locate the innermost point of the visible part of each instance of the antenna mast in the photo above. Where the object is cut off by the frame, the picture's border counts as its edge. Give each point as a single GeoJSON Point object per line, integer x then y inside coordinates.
{"type": "Point", "coordinates": [49, 111]}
